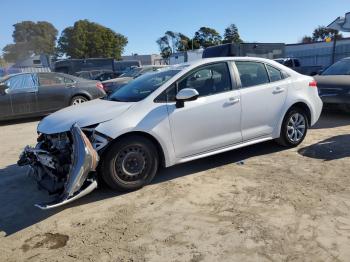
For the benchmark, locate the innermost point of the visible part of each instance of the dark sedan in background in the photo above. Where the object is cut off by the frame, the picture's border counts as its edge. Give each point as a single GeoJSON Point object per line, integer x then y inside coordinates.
{"type": "Point", "coordinates": [100, 75]}
{"type": "Point", "coordinates": [113, 84]}
{"type": "Point", "coordinates": [334, 84]}
{"type": "Point", "coordinates": [34, 94]}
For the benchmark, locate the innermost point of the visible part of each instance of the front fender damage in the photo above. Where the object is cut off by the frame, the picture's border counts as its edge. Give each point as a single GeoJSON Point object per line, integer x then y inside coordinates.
{"type": "Point", "coordinates": [78, 182]}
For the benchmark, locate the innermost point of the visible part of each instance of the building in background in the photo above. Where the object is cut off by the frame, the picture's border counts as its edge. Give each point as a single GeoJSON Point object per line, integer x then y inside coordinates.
{"type": "Point", "coordinates": [319, 53]}
{"type": "Point", "coordinates": [186, 56]}
{"type": "Point", "coordinates": [31, 64]}
{"type": "Point", "coordinates": [34, 64]}
{"type": "Point", "coordinates": [153, 59]}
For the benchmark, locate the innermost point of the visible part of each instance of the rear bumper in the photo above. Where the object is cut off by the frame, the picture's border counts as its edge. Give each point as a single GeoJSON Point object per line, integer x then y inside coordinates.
{"type": "Point", "coordinates": [335, 99]}
{"type": "Point", "coordinates": [334, 95]}
{"type": "Point", "coordinates": [316, 110]}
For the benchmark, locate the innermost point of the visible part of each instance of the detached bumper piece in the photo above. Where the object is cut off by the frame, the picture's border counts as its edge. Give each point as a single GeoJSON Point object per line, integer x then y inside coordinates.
{"type": "Point", "coordinates": [77, 183]}
{"type": "Point", "coordinates": [64, 200]}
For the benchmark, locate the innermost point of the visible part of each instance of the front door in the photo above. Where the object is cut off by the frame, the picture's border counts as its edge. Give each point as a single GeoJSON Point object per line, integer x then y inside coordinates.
{"type": "Point", "coordinates": [213, 120]}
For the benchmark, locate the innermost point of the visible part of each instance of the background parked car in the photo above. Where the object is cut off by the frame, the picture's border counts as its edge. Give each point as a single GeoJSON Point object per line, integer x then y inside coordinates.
{"type": "Point", "coordinates": [72, 66]}
{"type": "Point", "coordinates": [113, 84]}
{"type": "Point", "coordinates": [334, 84]}
{"type": "Point", "coordinates": [100, 75]}
{"type": "Point", "coordinates": [33, 94]}
{"type": "Point", "coordinates": [295, 64]}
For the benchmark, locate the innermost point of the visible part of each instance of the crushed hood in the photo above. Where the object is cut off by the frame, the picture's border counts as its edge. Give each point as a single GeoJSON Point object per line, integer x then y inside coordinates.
{"type": "Point", "coordinates": [86, 114]}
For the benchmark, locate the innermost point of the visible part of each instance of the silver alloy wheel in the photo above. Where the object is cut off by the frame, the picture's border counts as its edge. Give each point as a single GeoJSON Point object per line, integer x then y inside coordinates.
{"type": "Point", "coordinates": [296, 127]}
{"type": "Point", "coordinates": [78, 100]}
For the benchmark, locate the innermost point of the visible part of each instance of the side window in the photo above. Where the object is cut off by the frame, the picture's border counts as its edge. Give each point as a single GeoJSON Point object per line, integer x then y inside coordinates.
{"type": "Point", "coordinates": [296, 63]}
{"type": "Point", "coordinates": [22, 82]}
{"type": "Point", "coordinates": [51, 79]}
{"type": "Point", "coordinates": [288, 63]}
{"type": "Point", "coordinates": [252, 73]}
{"type": "Point", "coordinates": [275, 74]}
{"type": "Point", "coordinates": [208, 80]}
{"type": "Point", "coordinates": [68, 80]}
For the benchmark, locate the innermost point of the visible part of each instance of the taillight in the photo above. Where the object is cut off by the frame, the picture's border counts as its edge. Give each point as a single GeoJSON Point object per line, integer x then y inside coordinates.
{"type": "Point", "coordinates": [313, 83]}
{"type": "Point", "coordinates": [100, 86]}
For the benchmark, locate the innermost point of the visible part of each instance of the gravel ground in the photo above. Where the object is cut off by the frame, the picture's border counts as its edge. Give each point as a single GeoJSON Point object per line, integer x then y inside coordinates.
{"type": "Point", "coordinates": [261, 203]}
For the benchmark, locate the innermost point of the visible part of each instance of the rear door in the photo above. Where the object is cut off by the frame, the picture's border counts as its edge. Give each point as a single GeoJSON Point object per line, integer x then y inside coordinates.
{"type": "Point", "coordinates": [263, 94]}
{"type": "Point", "coordinates": [23, 90]}
{"type": "Point", "coordinates": [54, 92]}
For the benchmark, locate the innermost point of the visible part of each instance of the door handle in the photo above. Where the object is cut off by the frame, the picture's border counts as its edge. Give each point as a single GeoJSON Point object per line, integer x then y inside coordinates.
{"type": "Point", "coordinates": [278, 90]}
{"type": "Point", "coordinates": [234, 100]}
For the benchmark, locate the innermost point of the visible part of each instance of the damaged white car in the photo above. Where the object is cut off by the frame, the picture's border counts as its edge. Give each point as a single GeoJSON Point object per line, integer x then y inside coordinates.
{"type": "Point", "coordinates": [172, 116]}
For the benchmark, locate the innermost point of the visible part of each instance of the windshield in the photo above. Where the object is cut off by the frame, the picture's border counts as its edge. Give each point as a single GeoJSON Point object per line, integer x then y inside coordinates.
{"type": "Point", "coordinates": [341, 67]}
{"type": "Point", "coordinates": [132, 73]}
{"type": "Point", "coordinates": [142, 86]}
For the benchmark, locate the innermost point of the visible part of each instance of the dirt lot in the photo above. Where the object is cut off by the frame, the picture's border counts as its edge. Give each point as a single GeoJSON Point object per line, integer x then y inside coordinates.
{"type": "Point", "coordinates": [276, 205]}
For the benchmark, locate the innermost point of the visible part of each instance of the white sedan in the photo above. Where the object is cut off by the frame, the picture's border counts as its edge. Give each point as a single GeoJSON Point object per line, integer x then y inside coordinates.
{"type": "Point", "coordinates": [172, 116]}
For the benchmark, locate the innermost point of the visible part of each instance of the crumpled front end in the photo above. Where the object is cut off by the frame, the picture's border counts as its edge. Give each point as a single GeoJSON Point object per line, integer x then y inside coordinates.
{"type": "Point", "coordinates": [63, 164]}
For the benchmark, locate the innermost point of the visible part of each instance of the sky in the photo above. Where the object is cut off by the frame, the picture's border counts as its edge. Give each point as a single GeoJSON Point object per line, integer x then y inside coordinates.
{"type": "Point", "coordinates": [144, 21]}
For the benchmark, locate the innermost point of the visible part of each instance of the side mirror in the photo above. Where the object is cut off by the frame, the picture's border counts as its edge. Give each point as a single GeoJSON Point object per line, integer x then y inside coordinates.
{"type": "Point", "coordinates": [320, 72]}
{"type": "Point", "coordinates": [186, 94]}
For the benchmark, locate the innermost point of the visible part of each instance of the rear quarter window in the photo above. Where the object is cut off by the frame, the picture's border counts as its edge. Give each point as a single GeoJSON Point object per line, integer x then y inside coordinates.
{"type": "Point", "coordinates": [274, 73]}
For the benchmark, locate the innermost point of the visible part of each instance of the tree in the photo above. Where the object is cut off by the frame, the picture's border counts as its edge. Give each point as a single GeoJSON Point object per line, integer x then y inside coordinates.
{"type": "Point", "coordinates": [194, 44]}
{"type": "Point", "coordinates": [306, 39]}
{"type": "Point", "coordinates": [231, 35]}
{"type": "Point", "coordinates": [173, 42]}
{"type": "Point", "coordinates": [164, 46]}
{"type": "Point", "coordinates": [31, 38]}
{"type": "Point", "coordinates": [207, 36]}
{"type": "Point", "coordinates": [2, 62]}
{"type": "Point", "coordinates": [86, 39]}
{"type": "Point", "coordinates": [322, 32]}
{"type": "Point", "coordinates": [183, 42]}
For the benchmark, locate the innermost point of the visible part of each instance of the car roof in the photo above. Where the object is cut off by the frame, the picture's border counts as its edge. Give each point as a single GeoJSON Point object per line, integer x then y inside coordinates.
{"type": "Point", "coordinates": [229, 58]}
{"type": "Point", "coordinates": [188, 66]}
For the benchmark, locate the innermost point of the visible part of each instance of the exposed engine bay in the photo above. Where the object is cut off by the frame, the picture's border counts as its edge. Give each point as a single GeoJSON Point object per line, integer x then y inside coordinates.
{"type": "Point", "coordinates": [64, 164]}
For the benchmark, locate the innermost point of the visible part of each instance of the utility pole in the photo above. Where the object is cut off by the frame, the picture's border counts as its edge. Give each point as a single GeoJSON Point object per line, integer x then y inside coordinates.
{"type": "Point", "coordinates": [334, 47]}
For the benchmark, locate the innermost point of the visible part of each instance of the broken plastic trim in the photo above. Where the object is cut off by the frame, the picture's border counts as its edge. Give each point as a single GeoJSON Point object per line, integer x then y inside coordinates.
{"type": "Point", "coordinates": [85, 160]}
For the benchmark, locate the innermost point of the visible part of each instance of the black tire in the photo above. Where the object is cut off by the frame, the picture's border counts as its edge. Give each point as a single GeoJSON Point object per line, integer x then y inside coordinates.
{"type": "Point", "coordinates": [74, 100]}
{"type": "Point", "coordinates": [286, 132]}
{"type": "Point", "coordinates": [131, 154]}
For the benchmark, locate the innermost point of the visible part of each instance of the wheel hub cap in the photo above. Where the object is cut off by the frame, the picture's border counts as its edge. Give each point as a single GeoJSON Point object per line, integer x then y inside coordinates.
{"type": "Point", "coordinates": [133, 163]}
{"type": "Point", "coordinates": [296, 127]}
{"type": "Point", "coordinates": [78, 101]}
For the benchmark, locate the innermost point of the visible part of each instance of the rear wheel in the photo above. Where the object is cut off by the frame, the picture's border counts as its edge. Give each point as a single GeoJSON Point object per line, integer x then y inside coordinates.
{"type": "Point", "coordinates": [76, 100]}
{"type": "Point", "coordinates": [294, 128]}
{"type": "Point", "coordinates": [130, 163]}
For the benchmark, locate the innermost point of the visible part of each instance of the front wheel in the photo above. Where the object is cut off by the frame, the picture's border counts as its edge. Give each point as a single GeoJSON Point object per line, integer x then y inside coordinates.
{"type": "Point", "coordinates": [294, 128]}
{"type": "Point", "coordinates": [130, 163]}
